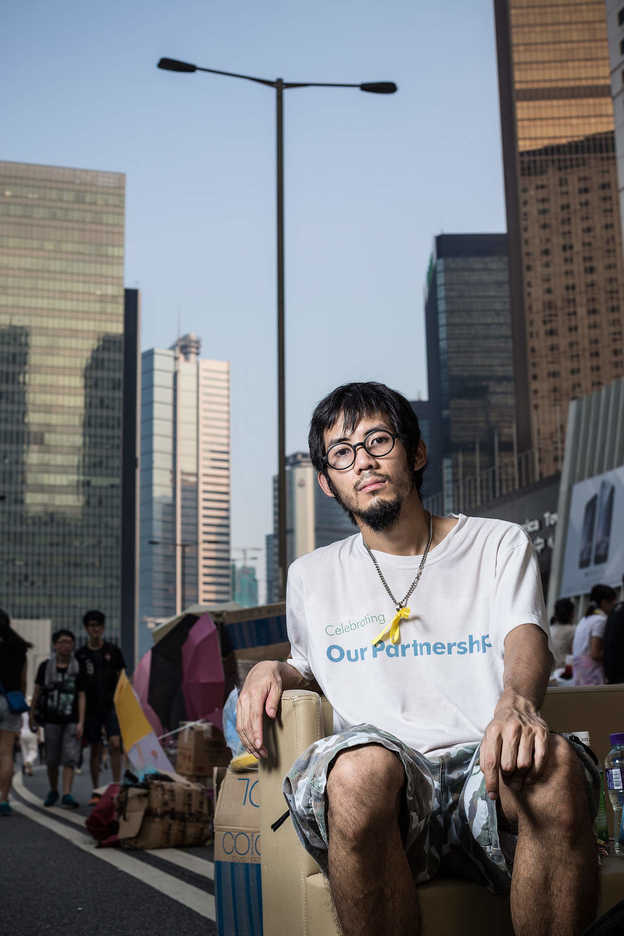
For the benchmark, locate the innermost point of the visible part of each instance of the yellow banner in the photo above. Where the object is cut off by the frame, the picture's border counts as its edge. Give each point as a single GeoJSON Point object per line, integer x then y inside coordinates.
{"type": "Point", "coordinates": [132, 721]}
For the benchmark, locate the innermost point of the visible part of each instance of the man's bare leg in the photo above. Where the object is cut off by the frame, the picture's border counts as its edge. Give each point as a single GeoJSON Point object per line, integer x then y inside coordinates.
{"type": "Point", "coordinates": [114, 749]}
{"type": "Point", "coordinates": [369, 876]}
{"type": "Point", "coordinates": [7, 743]}
{"type": "Point", "coordinates": [68, 779]}
{"type": "Point", "coordinates": [95, 761]}
{"type": "Point", "coordinates": [53, 777]}
{"type": "Point", "coordinates": [554, 890]}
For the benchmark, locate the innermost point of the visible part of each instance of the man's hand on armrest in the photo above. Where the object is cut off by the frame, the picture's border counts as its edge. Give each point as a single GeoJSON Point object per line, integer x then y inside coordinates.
{"type": "Point", "coordinates": [261, 693]}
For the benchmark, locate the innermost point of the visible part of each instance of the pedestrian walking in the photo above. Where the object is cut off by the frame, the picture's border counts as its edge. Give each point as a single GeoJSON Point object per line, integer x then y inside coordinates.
{"type": "Point", "coordinates": [13, 649]}
{"type": "Point", "coordinates": [588, 644]}
{"type": "Point", "coordinates": [59, 706]}
{"type": "Point", "coordinates": [101, 663]}
{"type": "Point", "coordinates": [562, 631]}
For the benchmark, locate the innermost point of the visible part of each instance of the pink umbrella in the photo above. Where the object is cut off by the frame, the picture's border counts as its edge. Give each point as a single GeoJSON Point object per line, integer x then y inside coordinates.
{"type": "Point", "coordinates": [140, 681]}
{"type": "Point", "coordinates": [203, 678]}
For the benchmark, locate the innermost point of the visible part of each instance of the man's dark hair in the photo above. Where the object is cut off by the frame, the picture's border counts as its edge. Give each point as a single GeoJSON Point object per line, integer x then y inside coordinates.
{"type": "Point", "coordinates": [564, 610]}
{"type": "Point", "coordinates": [353, 401]}
{"type": "Point", "coordinates": [97, 616]}
{"type": "Point", "coordinates": [601, 593]}
{"type": "Point", "coordinates": [62, 633]}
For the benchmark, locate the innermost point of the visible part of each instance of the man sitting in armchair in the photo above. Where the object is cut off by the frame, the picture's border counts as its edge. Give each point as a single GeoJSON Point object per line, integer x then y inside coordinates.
{"type": "Point", "coordinates": [429, 638]}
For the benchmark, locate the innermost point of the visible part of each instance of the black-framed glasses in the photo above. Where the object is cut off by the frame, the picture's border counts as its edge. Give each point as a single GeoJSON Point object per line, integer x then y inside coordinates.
{"type": "Point", "coordinates": [377, 442]}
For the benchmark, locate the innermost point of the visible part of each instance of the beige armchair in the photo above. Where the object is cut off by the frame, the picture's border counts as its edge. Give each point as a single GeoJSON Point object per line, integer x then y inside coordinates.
{"type": "Point", "coordinates": [295, 896]}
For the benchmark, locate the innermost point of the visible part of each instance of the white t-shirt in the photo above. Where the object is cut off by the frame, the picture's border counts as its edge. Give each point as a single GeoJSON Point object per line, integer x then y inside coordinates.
{"type": "Point", "coordinates": [439, 685]}
{"type": "Point", "coordinates": [561, 636]}
{"type": "Point", "coordinates": [591, 626]}
{"type": "Point", "coordinates": [588, 672]}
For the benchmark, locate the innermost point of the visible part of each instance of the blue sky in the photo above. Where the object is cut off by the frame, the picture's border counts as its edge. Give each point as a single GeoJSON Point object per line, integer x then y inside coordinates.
{"type": "Point", "coordinates": [369, 180]}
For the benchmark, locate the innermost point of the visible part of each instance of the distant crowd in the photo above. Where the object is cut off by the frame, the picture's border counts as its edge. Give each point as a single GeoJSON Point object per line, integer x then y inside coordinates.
{"type": "Point", "coordinates": [591, 652]}
{"type": "Point", "coordinates": [72, 705]}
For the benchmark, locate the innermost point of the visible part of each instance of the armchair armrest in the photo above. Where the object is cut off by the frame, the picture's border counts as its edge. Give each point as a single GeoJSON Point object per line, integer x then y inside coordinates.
{"type": "Point", "coordinates": [285, 864]}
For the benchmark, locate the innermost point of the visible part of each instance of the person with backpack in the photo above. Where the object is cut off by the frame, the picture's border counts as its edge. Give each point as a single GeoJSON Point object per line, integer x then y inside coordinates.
{"type": "Point", "coordinates": [58, 704]}
{"type": "Point", "coordinates": [13, 651]}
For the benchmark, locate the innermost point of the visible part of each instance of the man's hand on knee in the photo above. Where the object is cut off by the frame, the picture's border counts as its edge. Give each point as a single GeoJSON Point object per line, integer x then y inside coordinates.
{"type": "Point", "coordinates": [515, 743]}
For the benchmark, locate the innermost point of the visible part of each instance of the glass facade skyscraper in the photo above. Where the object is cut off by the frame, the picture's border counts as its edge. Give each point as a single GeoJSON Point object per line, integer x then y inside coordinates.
{"type": "Point", "coordinates": [184, 481]}
{"type": "Point", "coordinates": [471, 403]}
{"type": "Point", "coordinates": [244, 586]}
{"type": "Point", "coordinates": [61, 392]}
{"type": "Point", "coordinates": [567, 278]}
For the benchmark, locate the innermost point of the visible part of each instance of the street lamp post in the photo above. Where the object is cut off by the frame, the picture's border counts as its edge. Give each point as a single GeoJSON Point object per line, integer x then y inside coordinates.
{"type": "Point", "coordinates": [183, 547]}
{"type": "Point", "coordinates": [372, 87]}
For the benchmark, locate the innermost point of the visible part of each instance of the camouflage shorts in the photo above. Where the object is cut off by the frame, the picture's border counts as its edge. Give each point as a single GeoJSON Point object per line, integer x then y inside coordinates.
{"type": "Point", "coordinates": [449, 825]}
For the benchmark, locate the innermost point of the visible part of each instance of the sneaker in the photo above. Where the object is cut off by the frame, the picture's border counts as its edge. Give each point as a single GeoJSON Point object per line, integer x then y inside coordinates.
{"type": "Point", "coordinates": [5, 809]}
{"type": "Point", "coordinates": [69, 802]}
{"type": "Point", "coordinates": [51, 798]}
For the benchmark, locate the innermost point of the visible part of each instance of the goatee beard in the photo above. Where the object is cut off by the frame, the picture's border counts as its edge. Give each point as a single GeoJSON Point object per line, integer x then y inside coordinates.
{"type": "Point", "coordinates": [381, 516]}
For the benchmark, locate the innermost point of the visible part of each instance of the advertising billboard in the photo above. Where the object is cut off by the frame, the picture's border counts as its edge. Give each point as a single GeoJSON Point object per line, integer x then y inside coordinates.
{"type": "Point", "coordinates": [594, 550]}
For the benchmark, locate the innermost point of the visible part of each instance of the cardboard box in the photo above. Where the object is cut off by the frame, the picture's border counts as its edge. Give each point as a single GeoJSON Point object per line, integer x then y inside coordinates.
{"type": "Point", "coordinates": [251, 627]}
{"type": "Point", "coordinates": [237, 852]}
{"type": "Point", "coordinates": [200, 748]}
{"type": "Point", "coordinates": [167, 814]}
{"type": "Point", "coordinates": [237, 664]}
{"type": "Point", "coordinates": [218, 776]}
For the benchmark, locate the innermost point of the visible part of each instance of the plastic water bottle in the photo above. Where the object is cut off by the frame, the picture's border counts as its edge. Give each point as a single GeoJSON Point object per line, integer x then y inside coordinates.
{"type": "Point", "coordinates": [614, 775]}
{"type": "Point", "coordinates": [601, 826]}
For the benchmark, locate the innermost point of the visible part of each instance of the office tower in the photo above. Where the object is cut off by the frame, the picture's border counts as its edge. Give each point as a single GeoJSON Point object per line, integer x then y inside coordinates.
{"type": "Point", "coordinates": [563, 217]}
{"type": "Point", "coordinates": [184, 480]}
{"type": "Point", "coordinates": [312, 518]}
{"type": "Point", "coordinates": [244, 586]}
{"type": "Point", "coordinates": [64, 382]}
{"type": "Point", "coordinates": [615, 33]}
{"type": "Point", "coordinates": [469, 360]}
{"type": "Point", "coordinates": [429, 433]}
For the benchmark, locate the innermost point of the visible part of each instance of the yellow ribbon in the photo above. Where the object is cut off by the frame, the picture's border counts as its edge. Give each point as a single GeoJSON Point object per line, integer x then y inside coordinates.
{"type": "Point", "coordinates": [393, 628]}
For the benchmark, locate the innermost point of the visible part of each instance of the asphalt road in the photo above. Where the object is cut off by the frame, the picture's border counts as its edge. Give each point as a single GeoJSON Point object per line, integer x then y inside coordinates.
{"type": "Point", "coordinates": [54, 881]}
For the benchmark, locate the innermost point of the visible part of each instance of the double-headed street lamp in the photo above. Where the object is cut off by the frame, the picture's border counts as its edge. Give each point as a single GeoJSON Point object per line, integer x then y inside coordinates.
{"type": "Point", "coordinates": [373, 87]}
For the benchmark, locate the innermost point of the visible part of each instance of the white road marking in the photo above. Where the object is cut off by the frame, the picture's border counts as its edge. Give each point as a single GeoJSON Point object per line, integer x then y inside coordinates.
{"type": "Point", "coordinates": [182, 859]}
{"type": "Point", "coordinates": [185, 894]}
{"type": "Point", "coordinates": [186, 860]}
